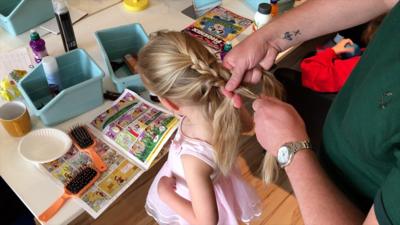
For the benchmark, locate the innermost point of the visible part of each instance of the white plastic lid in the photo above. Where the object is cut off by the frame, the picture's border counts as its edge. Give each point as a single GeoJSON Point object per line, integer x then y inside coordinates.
{"type": "Point", "coordinates": [50, 65]}
{"type": "Point", "coordinates": [60, 6]}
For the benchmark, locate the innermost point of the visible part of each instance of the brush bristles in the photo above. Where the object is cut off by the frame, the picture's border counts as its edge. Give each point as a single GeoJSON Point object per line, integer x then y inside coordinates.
{"type": "Point", "coordinates": [81, 136]}
{"type": "Point", "coordinates": [81, 180]}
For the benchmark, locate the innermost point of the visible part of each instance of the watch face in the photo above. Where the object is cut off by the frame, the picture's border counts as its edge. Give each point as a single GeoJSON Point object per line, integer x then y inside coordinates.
{"type": "Point", "coordinates": [283, 155]}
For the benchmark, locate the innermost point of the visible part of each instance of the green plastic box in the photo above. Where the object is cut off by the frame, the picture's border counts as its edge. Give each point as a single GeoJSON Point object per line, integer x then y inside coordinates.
{"type": "Point", "coordinates": [114, 44]}
{"type": "Point", "coordinates": [81, 79]}
{"type": "Point", "coordinates": [18, 16]}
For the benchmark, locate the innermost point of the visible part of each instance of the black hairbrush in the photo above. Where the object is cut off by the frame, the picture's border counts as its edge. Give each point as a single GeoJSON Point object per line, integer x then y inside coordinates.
{"type": "Point", "coordinates": [83, 140]}
{"type": "Point", "coordinates": [76, 187]}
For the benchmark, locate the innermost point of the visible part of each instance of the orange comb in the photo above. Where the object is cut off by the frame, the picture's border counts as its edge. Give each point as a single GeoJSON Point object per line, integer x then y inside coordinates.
{"type": "Point", "coordinates": [84, 141]}
{"type": "Point", "coordinates": [75, 188]}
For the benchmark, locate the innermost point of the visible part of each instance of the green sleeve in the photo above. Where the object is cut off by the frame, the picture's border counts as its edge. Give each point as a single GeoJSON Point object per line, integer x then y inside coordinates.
{"type": "Point", "coordinates": [387, 201]}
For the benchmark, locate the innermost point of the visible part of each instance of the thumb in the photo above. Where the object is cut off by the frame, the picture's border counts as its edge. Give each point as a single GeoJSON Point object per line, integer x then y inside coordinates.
{"type": "Point", "coordinates": [265, 101]}
{"type": "Point", "coordinates": [236, 79]}
{"type": "Point", "coordinates": [269, 59]}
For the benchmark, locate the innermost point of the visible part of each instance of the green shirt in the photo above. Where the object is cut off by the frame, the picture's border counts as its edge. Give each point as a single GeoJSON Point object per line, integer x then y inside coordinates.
{"type": "Point", "coordinates": [361, 140]}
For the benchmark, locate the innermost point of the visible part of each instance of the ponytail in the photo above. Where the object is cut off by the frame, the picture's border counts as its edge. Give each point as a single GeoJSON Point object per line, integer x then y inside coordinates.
{"type": "Point", "coordinates": [270, 87]}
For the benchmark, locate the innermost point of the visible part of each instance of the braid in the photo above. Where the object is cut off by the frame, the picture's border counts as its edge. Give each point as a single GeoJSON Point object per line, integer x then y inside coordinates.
{"type": "Point", "coordinates": [177, 67]}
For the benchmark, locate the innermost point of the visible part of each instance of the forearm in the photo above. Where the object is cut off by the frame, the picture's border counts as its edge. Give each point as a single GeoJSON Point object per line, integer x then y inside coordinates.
{"type": "Point", "coordinates": [320, 201]}
{"type": "Point", "coordinates": [184, 208]}
{"type": "Point", "coordinates": [318, 17]}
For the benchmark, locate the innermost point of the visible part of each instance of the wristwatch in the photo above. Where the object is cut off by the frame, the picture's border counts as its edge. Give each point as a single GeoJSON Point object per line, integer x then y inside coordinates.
{"type": "Point", "coordinates": [286, 152]}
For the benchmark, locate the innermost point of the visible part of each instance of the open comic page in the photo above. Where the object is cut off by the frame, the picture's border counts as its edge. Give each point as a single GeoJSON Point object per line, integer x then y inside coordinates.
{"type": "Point", "coordinates": [138, 128]}
{"type": "Point", "coordinates": [121, 173]}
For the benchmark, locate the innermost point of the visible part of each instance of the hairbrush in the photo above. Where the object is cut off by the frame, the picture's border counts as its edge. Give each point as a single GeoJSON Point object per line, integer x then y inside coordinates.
{"type": "Point", "coordinates": [76, 187]}
{"type": "Point", "coordinates": [84, 141]}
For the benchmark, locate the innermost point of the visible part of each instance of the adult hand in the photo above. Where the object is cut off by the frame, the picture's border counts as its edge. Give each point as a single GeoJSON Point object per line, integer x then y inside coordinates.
{"type": "Point", "coordinates": [248, 58]}
{"type": "Point", "coordinates": [343, 46]}
{"type": "Point", "coordinates": [277, 123]}
{"type": "Point", "coordinates": [166, 187]}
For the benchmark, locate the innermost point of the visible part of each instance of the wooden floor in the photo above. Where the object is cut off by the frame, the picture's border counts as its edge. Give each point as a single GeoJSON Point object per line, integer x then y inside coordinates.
{"type": "Point", "coordinates": [278, 203]}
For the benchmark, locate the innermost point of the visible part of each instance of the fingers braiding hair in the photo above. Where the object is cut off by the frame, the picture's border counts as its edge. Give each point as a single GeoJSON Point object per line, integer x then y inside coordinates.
{"type": "Point", "coordinates": [177, 67]}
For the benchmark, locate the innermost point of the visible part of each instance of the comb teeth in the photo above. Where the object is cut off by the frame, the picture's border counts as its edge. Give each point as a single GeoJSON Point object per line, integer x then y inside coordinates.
{"type": "Point", "coordinates": [81, 136]}
{"type": "Point", "coordinates": [81, 180]}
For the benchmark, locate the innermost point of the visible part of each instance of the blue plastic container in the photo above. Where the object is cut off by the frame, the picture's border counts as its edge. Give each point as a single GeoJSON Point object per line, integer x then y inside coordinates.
{"type": "Point", "coordinates": [114, 44]}
{"type": "Point", "coordinates": [283, 5]}
{"type": "Point", "coordinates": [18, 16]}
{"type": "Point", "coordinates": [81, 79]}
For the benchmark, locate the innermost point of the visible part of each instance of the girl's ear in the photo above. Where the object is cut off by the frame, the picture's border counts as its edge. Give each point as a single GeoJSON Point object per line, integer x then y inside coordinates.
{"type": "Point", "coordinates": [169, 104]}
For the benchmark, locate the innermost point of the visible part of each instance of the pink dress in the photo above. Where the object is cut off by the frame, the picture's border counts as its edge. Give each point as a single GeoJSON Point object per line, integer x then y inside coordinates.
{"type": "Point", "coordinates": [235, 199]}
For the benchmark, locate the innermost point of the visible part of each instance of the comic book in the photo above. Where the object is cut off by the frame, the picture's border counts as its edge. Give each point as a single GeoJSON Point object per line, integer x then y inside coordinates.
{"type": "Point", "coordinates": [218, 26]}
{"type": "Point", "coordinates": [136, 127]}
{"type": "Point", "coordinates": [129, 137]}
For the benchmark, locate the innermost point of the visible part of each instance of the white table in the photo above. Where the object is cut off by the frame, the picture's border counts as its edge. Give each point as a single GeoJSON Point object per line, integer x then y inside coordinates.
{"type": "Point", "coordinates": [35, 189]}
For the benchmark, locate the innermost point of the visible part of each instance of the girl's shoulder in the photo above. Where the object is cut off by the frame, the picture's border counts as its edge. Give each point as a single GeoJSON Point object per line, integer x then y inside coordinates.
{"type": "Point", "coordinates": [194, 147]}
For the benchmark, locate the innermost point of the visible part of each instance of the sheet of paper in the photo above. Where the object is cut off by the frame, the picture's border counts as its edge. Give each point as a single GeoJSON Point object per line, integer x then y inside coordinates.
{"type": "Point", "coordinates": [16, 59]}
{"type": "Point", "coordinates": [51, 25]}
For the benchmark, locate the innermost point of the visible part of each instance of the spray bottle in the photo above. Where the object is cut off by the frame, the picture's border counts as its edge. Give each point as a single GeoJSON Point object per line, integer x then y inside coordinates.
{"type": "Point", "coordinates": [64, 24]}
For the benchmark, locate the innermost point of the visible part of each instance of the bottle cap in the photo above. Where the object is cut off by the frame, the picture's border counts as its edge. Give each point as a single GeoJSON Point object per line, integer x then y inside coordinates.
{"type": "Point", "coordinates": [274, 1]}
{"type": "Point", "coordinates": [59, 6]}
{"type": "Point", "coordinates": [136, 5]}
{"type": "Point", "coordinates": [227, 47]}
{"type": "Point", "coordinates": [34, 35]}
{"type": "Point", "coordinates": [264, 8]}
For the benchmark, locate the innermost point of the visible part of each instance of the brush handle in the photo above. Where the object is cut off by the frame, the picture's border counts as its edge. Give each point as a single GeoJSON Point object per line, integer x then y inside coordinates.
{"type": "Point", "coordinates": [98, 162]}
{"type": "Point", "coordinates": [53, 209]}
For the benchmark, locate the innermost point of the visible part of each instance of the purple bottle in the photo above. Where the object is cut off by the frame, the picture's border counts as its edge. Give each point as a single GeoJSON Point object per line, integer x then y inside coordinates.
{"type": "Point", "coordinates": [38, 46]}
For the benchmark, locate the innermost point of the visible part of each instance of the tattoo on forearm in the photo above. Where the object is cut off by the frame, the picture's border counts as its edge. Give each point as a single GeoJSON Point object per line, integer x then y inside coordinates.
{"type": "Point", "coordinates": [289, 35]}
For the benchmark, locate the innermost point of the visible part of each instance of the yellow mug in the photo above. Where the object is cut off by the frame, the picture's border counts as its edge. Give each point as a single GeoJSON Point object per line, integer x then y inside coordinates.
{"type": "Point", "coordinates": [15, 118]}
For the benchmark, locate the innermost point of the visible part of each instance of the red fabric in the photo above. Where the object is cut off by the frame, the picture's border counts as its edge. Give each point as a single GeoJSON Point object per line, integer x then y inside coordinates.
{"type": "Point", "coordinates": [325, 72]}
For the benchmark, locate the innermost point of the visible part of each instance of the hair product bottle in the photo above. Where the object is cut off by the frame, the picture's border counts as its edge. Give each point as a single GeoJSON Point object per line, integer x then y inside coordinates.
{"type": "Point", "coordinates": [64, 24]}
{"type": "Point", "coordinates": [262, 15]}
{"type": "Point", "coordinates": [274, 7]}
{"type": "Point", "coordinates": [50, 68]}
{"type": "Point", "coordinates": [38, 46]}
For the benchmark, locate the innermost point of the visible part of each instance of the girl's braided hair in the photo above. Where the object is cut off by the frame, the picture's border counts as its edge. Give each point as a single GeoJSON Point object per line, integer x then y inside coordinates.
{"type": "Point", "coordinates": [177, 67]}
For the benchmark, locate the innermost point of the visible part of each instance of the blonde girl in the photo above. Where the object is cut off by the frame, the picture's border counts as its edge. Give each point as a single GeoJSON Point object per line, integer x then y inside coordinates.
{"type": "Point", "coordinates": [199, 183]}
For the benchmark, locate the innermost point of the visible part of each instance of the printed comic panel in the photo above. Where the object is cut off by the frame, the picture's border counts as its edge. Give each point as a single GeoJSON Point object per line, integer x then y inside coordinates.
{"type": "Point", "coordinates": [64, 173]}
{"type": "Point", "coordinates": [114, 112]}
{"type": "Point", "coordinates": [115, 180]}
{"type": "Point", "coordinates": [125, 140]}
{"type": "Point", "coordinates": [95, 198]}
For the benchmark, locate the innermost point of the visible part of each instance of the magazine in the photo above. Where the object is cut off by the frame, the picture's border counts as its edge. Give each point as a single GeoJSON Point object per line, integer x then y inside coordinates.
{"type": "Point", "coordinates": [136, 127]}
{"type": "Point", "coordinates": [130, 136]}
{"type": "Point", "coordinates": [217, 27]}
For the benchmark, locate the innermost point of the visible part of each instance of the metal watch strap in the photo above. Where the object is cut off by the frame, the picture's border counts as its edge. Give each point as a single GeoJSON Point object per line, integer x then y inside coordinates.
{"type": "Point", "coordinates": [296, 146]}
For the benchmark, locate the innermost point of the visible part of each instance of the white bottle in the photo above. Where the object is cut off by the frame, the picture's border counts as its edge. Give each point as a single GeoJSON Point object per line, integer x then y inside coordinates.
{"type": "Point", "coordinates": [262, 16]}
{"type": "Point", "coordinates": [50, 68]}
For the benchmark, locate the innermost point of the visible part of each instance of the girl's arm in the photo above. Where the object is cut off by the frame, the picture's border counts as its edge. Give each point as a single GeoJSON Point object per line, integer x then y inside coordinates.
{"type": "Point", "coordinates": [318, 72]}
{"type": "Point", "coordinates": [203, 207]}
{"type": "Point", "coordinates": [325, 72]}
